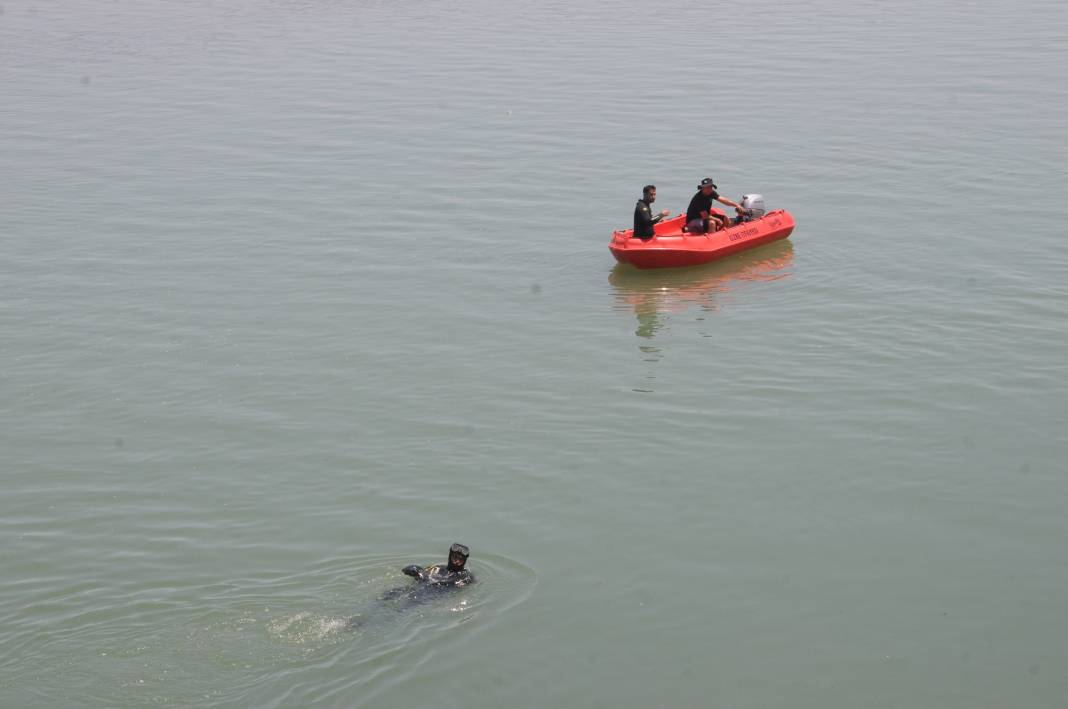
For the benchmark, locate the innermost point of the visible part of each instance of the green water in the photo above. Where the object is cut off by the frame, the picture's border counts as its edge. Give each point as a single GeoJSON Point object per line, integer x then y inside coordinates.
{"type": "Point", "coordinates": [295, 294]}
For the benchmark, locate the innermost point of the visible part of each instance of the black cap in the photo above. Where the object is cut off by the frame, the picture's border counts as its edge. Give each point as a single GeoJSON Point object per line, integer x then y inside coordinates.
{"type": "Point", "coordinates": [460, 549]}
{"type": "Point", "coordinates": [707, 182]}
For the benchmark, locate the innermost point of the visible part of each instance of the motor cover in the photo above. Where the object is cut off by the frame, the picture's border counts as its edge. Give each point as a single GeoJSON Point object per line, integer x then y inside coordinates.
{"type": "Point", "coordinates": [753, 204]}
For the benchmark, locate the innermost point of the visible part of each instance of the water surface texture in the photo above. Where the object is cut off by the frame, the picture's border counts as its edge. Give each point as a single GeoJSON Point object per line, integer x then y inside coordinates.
{"type": "Point", "coordinates": [296, 292]}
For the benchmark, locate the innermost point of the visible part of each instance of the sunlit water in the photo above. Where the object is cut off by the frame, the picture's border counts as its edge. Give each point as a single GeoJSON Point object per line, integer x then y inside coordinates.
{"type": "Point", "coordinates": [293, 294]}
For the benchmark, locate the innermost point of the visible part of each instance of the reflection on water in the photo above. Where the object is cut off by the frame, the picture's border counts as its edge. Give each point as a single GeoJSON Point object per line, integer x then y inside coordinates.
{"type": "Point", "coordinates": [655, 294]}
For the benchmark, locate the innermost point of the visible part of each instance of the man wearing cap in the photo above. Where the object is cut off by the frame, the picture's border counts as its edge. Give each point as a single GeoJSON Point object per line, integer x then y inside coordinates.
{"type": "Point", "coordinates": [643, 215]}
{"type": "Point", "coordinates": [700, 218]}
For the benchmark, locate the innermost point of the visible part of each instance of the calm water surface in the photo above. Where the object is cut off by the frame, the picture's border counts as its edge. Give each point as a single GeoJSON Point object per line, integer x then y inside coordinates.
{"type": "Point", "coordinates": [293, 294]}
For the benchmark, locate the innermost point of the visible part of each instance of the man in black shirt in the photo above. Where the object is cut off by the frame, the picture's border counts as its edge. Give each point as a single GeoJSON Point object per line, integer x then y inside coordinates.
{"type": "Point", "coordinates": [699, 216]}
{"type": "Point", "coordinates": [643, 216]}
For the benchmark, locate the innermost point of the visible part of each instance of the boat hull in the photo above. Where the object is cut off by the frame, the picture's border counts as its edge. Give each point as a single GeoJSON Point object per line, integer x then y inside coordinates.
{"type": "Point", "coordinates": [671, 247]}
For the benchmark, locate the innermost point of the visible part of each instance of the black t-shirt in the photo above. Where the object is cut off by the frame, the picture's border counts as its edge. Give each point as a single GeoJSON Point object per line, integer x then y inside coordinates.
{"type": "Point", "coordinates": [700, 203]}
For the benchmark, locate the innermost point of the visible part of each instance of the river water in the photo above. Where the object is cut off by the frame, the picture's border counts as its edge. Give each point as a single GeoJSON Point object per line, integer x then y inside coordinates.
{"type": "Point", "coordinates": [296, 292]}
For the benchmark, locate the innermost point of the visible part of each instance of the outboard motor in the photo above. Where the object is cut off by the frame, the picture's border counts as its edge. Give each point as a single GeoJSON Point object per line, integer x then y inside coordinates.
{"type": "Point", "coordinates": [753, 204]}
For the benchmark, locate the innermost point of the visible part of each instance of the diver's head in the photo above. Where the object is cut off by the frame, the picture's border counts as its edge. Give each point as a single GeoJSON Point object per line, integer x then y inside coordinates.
{"type": "Point", "coordinates": [458, 554]}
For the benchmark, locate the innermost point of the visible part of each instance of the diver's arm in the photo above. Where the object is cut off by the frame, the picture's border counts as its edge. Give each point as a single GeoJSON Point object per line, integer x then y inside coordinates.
{"type": "Point", "coordinates": [415, 571]}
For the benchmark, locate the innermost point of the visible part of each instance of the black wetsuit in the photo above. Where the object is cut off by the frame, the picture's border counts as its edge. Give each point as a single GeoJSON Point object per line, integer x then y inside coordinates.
{"type": "Point", "coordinates": [440, 575]}
{"type": "Point", "coordinates": [644, 220]}
{"type": "Point", "coordinates": [430, 582]}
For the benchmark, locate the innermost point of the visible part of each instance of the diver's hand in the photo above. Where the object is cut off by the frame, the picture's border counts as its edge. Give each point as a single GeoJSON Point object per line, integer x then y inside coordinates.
{"type": "Point", "coordinates": [413, 570]}
{"type": "Point", "coordinates": [665, 212]}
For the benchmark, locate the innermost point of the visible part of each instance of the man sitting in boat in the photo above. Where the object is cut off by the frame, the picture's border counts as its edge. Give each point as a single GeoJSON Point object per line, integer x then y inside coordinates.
{"type": "Point", "coordinates": [700, 219]}
{"type": "Point", "coordinates": [643, 216]}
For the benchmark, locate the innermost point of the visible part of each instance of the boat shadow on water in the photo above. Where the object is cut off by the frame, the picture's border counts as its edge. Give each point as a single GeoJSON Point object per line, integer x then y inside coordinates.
{"type": "Point", "coordinates": [654, 295]}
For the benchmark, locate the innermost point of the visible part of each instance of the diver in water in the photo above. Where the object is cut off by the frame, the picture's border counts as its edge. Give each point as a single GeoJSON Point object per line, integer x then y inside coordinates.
{"type": "Point", "coordinates": [436, 578]}
{"type": "Point", "coordinates": [432, 582]}
{"type": "Point", "coordinates": [450, 574]}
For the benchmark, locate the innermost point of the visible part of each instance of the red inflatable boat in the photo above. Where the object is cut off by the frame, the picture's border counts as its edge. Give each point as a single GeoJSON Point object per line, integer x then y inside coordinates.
{"type": "Point", "coordinates": [671, 247]}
